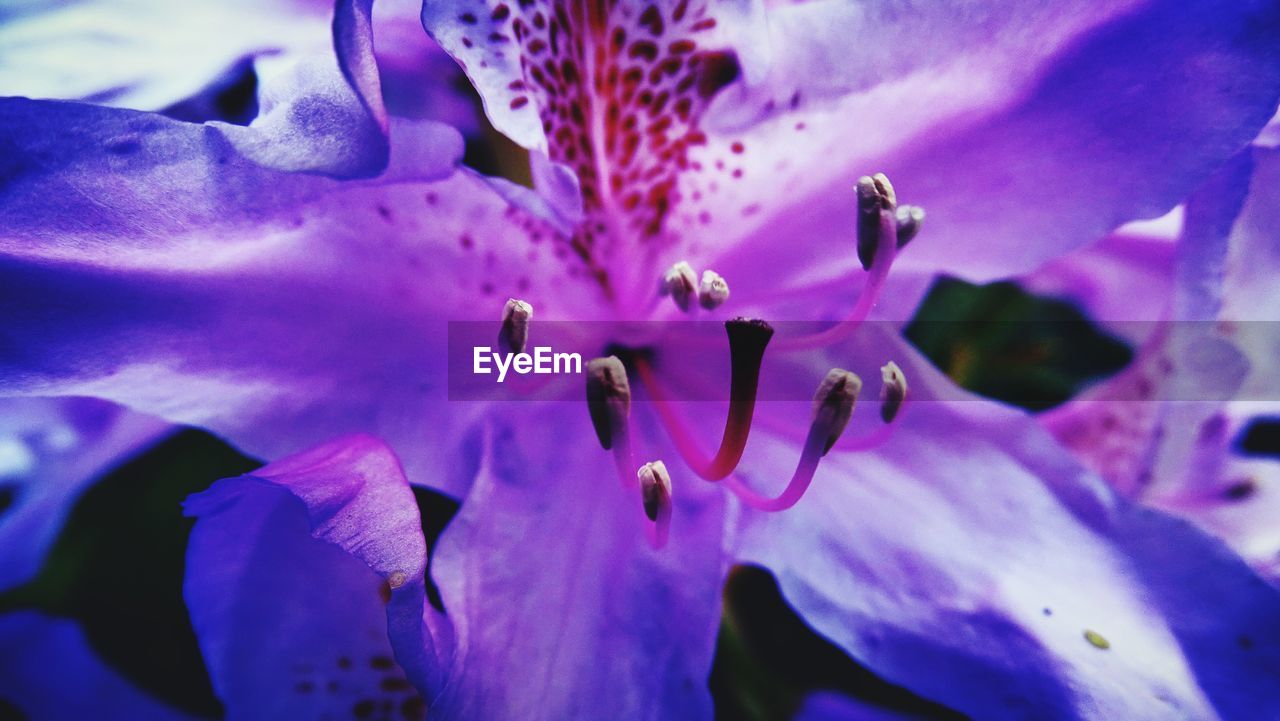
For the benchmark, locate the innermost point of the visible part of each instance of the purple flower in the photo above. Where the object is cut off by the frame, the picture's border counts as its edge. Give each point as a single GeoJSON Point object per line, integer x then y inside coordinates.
{"type": "Point", "coordinates": [267, 283]}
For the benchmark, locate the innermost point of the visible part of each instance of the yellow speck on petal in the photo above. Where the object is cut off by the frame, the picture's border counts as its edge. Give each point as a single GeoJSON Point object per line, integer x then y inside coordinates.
{"type": "Point", "coordinates": [1096, 640]}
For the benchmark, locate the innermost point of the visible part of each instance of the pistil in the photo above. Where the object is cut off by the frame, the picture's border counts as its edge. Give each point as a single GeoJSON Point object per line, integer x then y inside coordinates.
{"type": "Point", "coordinates": [747, 342]}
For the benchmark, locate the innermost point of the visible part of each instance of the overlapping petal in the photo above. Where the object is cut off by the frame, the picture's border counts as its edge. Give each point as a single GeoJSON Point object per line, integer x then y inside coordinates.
{"type": "Point", "coordinates": [561, 608]}
{"type": "Point", "coordinates": [1023, 130]}
{"type": "Point", "coordinates": [969, 560]}
{"type": "Point", "coordinates": [150, 262]}
{"type": "Point", "coordinates": [48, 671]}
{"type": "Point", "coordinates": [144, 54]}
{"type": "Point", "coordinates": [305, 579]}
{"type": "Point", "coordinates": [50, 450]}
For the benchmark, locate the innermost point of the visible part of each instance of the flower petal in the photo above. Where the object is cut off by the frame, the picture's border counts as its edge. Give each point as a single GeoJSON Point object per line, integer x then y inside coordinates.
{"type": "Point", "coordinates": [969, 560]}
{"type": "Point", "coordinates": [302, 578]}
{"type": "Point", "coordinates": [50, 450]}
{"type": "Point", "coordinates": [147, 54]}
{"type": "Point", "coordinates": [1023, 130]}
{"type": "Point", "coordinates": [147, 262]}
{"type": "Point", "coordinates": [1158, 446]}
{"type": "Point", "coordinates": [48, 672]}
{"type": "Point", "coordinates": [561, 609]}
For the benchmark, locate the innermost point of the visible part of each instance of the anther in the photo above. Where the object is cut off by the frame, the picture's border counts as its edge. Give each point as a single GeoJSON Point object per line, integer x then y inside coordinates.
{"type": "Point", "coordinates": [713, 291]}
{"type": "Point", "coordinates": [655, 488]}
{"type": "Point", "coordinates": [608, 398]}
{"type": "Point", "coordinates": [877, 204]}
{"type": "Point", "coordinates": [893, 392]}
{"type": "Point", "coordinates": [681, 283]}
{"type": "Point", "coordinates": [514, 334]}
{"type": "Point", "coordinates": [909, 219]}
{"type": "Point", "coordinates": [833, 404]}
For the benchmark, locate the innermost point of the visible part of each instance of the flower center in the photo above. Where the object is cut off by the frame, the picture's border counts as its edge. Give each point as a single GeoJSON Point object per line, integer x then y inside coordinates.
{"type": "Point", "coordinates": [620, 91]}
{"type": "Point", "coordinates": [883, 228]}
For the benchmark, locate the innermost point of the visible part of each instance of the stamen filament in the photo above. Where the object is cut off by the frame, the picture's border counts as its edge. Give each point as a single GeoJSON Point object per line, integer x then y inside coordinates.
{"type": "Point", "coordinates": [814, 445]}
{"type": "Point", "coordinates": [842, 330]}
{"type": "Point", "coordinates": [659, 530]}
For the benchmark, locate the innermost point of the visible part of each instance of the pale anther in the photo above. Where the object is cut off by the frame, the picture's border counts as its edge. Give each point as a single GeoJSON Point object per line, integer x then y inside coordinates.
{"type": "Point", "coordinates": [833, 403]}
{"type": "Point", "coordinates": [877, 204]}
{"type": "Point", "coordinates": [681, 283]}
{"type": "Point", "coordinates": [608, 398]}
{"type": "Point", "coordinates": [893, 391]}
{"type": "Point", "coordinates": [655, 488]}
{"type": "Point", "coordinates": [909, 218]}
{"type": "Point", "coordinates": [713, 291]}
{"type": "Point", "coordinates": [514, 334]}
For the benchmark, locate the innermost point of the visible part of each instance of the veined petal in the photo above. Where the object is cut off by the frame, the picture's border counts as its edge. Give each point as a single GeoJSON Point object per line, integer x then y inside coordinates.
{"type": "Point", "coordinates": [146, 54]}
{"type": "Point", "coordinates": [1167, 430]}
{"type": "Point", "coordinates": [49, 672]}
{"type": "Point", "coordinates": [321, 108]}
{"type": "Point", "coordinates": [146, 261]}
{"type": "Point", "coordinates": [562, 611]}
{"type": "Point", "coordinates": [971, 561]}
{"type": "Point", "coordinates": [303, 578]}
{"type": "Point", "coordinates": [1022, 130]}
{"type": "Point", "coordinates": [51, 450]}
{"type": "Point", "coordinates": [613, 91]}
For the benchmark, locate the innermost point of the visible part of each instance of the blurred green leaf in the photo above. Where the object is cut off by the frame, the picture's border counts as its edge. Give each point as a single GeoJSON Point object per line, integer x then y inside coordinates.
{"type": "Point", "coordinates": [999, 341]}
{"type": "Point", "coordinates": [117, 567]}
{"type": "Point", "coordinates": [768, 660]}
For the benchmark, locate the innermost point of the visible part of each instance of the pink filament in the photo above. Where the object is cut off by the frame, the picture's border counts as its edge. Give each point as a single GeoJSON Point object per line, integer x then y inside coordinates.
{"type": "Point", "coordinates": [799, 482]}
{"type": "Point", "coordinates": [867, 298]}
{"type": "Point", "coordinates": [657, 531]}
{"type": "Point", "coordinates": [624, 464]}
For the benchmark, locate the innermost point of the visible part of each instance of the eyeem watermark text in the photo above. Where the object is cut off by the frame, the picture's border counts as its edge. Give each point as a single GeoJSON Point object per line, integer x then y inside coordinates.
{"type": "Point", "coordinates": [541, 362]}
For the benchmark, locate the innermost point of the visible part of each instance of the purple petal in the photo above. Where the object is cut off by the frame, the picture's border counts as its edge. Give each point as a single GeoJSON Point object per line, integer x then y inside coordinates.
{"type": "Point", "coordinates": [971, 561]}
{"type": "Point", "coordinates": [147, 54]}
{"type": "Point", "coordinates": [50, 451]}
{"type": "Point", "coordinates": [829, 706]}
{"type": "Point", "coordinates": [145, 261]}
{"type": "Point", "coordinates": [561, 609]}
{"type": "Point", "coordinates": [301, 580]}
{"type": "Point", "coordinates": [48, 672]}
{"type": "Point", "coordinates": [1024, 131]}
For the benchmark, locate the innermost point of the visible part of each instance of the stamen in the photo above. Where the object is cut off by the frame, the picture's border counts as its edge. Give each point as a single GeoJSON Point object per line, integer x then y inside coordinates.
{"type": "Point", "coordinates": [609, 403]}
{"type": "Point", "coordinates": [747, 342]}
{"type": "Point", "coordinates": [713, 291]}
{"type": "Point", "coordinates": [832, 406]}
{"type": "Point", "coordinates": [878, 243]}
{"type": "Point", "coordinates": [655, 493]}
{"type": "Point", "coordinates": [608, 398]}
{"type": "Point", "coordinates": [893, 391]}
{"type": "Point", "coordinates": [681, 283]}
{"type": "Point", "coordinates": [909, 219]}
{"type": "Point", "coordinates": [877, 204]}
{"type": "Point", "coordinates": [834, 402]}
{"type": "Point", "coordinates": [514, 334]}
